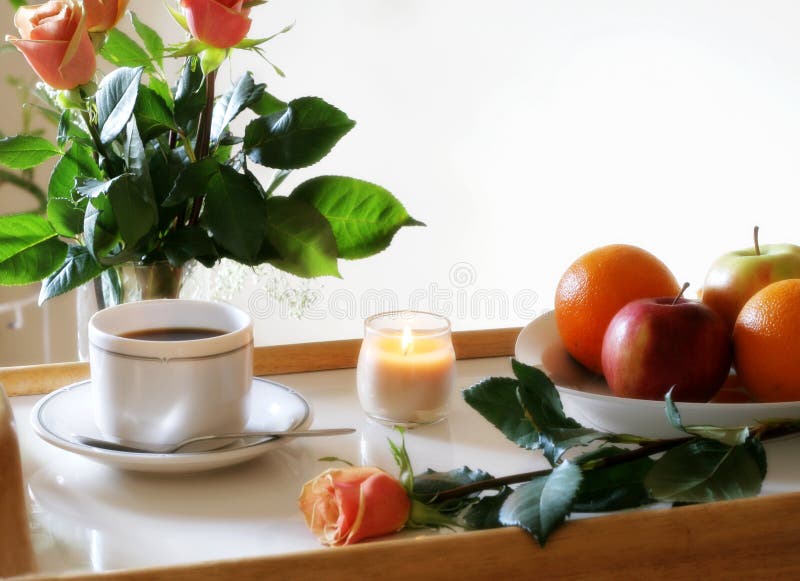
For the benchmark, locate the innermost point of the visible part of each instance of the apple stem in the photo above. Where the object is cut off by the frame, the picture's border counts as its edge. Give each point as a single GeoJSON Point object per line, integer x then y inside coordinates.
{"type": "Point", "coordinates": [680, 294]}
{"type": "Point", "coordinates": [755, 240]}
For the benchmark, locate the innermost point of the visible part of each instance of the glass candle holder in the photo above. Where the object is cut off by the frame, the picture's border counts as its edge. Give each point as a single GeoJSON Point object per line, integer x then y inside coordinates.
{"type": "Point", "coordinates": [406, 368]}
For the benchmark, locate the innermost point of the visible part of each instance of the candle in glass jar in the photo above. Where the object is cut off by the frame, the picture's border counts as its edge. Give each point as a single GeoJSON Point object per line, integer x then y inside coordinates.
{"type": "Point", "coordinates": [406, 368]}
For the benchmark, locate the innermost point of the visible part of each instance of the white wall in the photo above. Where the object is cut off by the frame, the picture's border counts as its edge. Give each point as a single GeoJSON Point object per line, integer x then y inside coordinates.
{"type": "Point", "coordinates": [527, 132]}
{"type": "Point", "coordinates": [28, 334]}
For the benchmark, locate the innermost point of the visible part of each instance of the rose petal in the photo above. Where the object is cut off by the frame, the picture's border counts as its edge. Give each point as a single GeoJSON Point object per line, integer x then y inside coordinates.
{"type": "Point", "coordinates": [103, 15]}
{"type": "Point", "coordinates": [384, 508]}
{"type": "Point", "coordinates": [216, 23]}
{"type": "Point", "coordinates": [46, 58]}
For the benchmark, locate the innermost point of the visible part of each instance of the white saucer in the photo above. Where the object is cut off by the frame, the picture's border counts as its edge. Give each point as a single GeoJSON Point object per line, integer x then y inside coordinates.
{"type": "Point", "coordinates": [587, 398]}
{"type": "Point", "coordinates": [68, 411]}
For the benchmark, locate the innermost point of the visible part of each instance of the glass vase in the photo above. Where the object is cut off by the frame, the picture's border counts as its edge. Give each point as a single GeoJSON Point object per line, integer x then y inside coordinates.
{"type": "Point", "coordinates": [124, 283]}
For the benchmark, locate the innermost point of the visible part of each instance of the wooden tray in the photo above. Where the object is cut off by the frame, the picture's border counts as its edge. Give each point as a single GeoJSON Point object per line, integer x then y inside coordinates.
{"type": "Point", "coordinates": [736, 539]}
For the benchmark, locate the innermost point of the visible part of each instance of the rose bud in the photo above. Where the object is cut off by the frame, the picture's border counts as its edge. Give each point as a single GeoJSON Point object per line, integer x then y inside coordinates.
{"type": "Point", "coordinates": [219, 23]}
{"type": "Point", "coordinates": [103, 15]}
{"type": "Point", "coordinates": [342, 507]}
{"type": "Point", "coordinates": [55, 43]}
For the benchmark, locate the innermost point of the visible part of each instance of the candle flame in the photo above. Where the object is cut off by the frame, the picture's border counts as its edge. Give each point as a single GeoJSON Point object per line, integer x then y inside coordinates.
{"type": "Point", "coordinates": [407, 340]}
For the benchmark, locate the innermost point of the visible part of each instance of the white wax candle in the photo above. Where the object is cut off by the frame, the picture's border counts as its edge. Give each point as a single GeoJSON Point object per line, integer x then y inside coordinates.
{"type": "Point", "coordinates": [406, 378]}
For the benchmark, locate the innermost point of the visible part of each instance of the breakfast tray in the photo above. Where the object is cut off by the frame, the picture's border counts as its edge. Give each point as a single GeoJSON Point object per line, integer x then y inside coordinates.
{"type": "Point", "coordinates": [742, 538]}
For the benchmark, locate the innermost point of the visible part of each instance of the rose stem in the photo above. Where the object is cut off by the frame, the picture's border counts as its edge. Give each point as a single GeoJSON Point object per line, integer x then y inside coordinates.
{"type": "Point", "coordinates": [765, 432]}
{"type": "Point", "coordinates": [202, 143]}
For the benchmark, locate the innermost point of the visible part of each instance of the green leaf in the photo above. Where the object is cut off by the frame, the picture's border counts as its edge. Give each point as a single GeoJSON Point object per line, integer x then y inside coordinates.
{"type": "Point", "coordinates": [733, 436]}
{"type": "Point", "coordinates": [249, 43]}
{"type": "Point", "coordinates": [278, 178]}
{"type": "Point", "coordinates": [364, 216]}
{"type": "Point", "coordinates": [90, 187]}
{"type": "Point", "coordinates": [613, 488]}
{"type": "Point", "coordinates": [756, 450]}
{"type": "Point", "coordinates": [193, 181]}
{"type": "Point", "coordinates": [299, 136]}
{"type": "Point", "coordinates": [541, 399]}
{"type": "Point", "coordinates": [65, 216]}
{"type": "Point", "coordinates": [542, 406]}
{"type": "Point", "coordinates": [77, 162]}
{"type": "Point", "coordinates": [122, 51]}
{"type": "Point", "coordinates": [673, 415]}
{"type": "Point", "coordinates": [496, 400]}
{"type": "Point", "coordinates": [189, 47]}
{"type": "Point", "coordinates": [542, 504]}
{"type": "Point", "coordinates": [186, 244]}
{"type": "Point", "coordinates": [234, 212]}
{"type": "Point", "coordinates": [135, 157]}
{"type": "Point", "coordinates": [485, 514]}
{"type": "Point", "coordinates": [240, 96]}
{"type": "Point", "coordinates": [151, 39]}
{"type": "Point", "coordinates": [112, 287]}
{"type": "Point", "coordinates": [78, 267]}
{"type": "Point", "coordinates": [152, 114]}
{"type": "Point", "coordinates": [68, 130]}
{"type": "Point", "coordinates": [555, 441]}
{"type": "Point", "coordinates": [727, 436]}
{"type": "Point", "coordinates": [402, 460]}
{"type": "Point", "coordinates": [116, 99]}
{"type": "Point", "coordinates": [29, 249]}
{"type": "Point", "coordinates": [100, 231]}
{"type": "Point", "coordinates": [133, 212]}
{"type": "Point", "coordinates": [25, 151]}
{"type": "Point", "coordinates": [212, 58]}
{"type": "Point", "coordinates": [161, 87]}
{"type": "Point", "coordinates": [705, 471]}
{"type": "Point", "coordinates": [433, 482]}
{"type": "Point", "coordinates": [302, 237]}
{"type": "Point", "coordinates": [165, 165]}
{"type": "Point", "coordinates": [190, 95]}
{"type": "Point", "coordinates": [267, 105]}
{"type": "Point", "coordinates": [177, 15]}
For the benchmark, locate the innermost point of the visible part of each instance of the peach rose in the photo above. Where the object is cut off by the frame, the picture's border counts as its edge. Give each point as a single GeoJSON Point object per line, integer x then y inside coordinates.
{"type": "Point", "coordinates": [55, 43]}
{"type": "Point", "coordinates": [103, 15]}
{"type": "Point", "coordinates": [342, 507]}
{"type": "Point", "coordinates": [220, 23]}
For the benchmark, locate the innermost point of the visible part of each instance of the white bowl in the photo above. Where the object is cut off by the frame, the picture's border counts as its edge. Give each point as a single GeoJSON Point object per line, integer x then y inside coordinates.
{"type": "Point", "coordinates": [587, 399]}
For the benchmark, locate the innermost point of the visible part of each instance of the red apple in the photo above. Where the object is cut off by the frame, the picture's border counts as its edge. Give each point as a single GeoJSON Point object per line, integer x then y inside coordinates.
{"type": "Point", "coordinates": [736, 276]}
{"type": "Point", "coordinates": [652, 345]}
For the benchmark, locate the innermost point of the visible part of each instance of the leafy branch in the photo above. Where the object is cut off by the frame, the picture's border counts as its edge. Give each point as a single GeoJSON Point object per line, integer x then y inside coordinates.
{"type": "Point", "coordinates": [612, 472]}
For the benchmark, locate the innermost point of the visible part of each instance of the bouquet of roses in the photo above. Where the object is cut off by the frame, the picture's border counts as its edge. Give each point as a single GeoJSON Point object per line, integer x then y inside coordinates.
{"type": "Point", "coordinates": [150, 171]}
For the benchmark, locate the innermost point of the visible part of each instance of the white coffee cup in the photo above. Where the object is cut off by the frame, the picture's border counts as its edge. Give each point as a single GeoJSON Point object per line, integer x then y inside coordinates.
{"type": "Point", "coordinates": [147, 391]}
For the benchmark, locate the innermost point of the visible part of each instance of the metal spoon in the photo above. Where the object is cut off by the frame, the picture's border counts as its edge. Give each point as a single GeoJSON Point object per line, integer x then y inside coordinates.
{"type": "Point", "coordinates": [105, 444]}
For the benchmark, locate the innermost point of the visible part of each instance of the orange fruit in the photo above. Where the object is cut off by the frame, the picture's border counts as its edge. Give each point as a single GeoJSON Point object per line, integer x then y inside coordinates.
{"type": "Point", "coordinates": [766, 342]}
{"type": "Point", "coordinates": [596, 286]}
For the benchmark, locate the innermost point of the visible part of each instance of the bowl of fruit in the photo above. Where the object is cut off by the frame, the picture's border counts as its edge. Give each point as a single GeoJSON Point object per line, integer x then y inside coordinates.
{"type": "Point", "coordinates": [621, 336]}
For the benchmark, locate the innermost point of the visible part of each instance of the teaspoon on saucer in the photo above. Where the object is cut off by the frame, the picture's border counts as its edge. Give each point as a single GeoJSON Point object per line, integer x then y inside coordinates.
{"type": "Point", "coordinates": [105, 444]}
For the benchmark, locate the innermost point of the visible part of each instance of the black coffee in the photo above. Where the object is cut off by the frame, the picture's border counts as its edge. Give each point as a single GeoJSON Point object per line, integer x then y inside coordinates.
{"type": "Point", "coordinates": [173, 334]}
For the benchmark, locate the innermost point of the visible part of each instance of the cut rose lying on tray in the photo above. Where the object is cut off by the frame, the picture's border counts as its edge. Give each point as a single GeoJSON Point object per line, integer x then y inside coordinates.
{"type": "Point", "coordinates": [619, 471]}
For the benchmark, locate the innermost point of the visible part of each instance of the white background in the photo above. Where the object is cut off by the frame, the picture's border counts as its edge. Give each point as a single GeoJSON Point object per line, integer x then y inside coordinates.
{"type": "Point", "coordinates": [525, 133]}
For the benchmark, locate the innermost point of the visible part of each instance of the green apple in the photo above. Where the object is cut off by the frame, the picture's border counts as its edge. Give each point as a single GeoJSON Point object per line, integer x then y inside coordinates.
{"type": "Point", "coordinates": [736, 276]}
